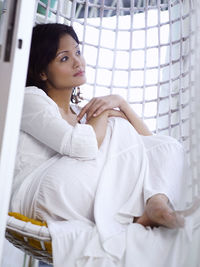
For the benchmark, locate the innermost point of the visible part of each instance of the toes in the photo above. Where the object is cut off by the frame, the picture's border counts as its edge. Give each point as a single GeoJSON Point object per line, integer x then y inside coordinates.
{"type": "Point", "coordinates": [145, 221]}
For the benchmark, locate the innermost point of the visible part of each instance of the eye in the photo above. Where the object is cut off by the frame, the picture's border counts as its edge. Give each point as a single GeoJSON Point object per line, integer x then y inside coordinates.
{"type": "Point", "coordinates": [63, 59]}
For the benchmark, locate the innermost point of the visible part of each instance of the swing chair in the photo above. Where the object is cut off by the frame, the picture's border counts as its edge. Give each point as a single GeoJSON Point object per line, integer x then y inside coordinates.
{"type": "Point", "coordinates": [150, 48]}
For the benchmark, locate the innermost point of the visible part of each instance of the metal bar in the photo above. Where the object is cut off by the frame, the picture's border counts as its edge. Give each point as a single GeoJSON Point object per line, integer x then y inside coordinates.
{"type": "Point", "coordinates": [170, 67]}
{"type": "Point", "coordinates": [159, 66]}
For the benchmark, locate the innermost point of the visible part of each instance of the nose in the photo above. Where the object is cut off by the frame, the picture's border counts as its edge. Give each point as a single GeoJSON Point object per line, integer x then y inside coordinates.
{"type": "Point", "coordinates": [76, 62]}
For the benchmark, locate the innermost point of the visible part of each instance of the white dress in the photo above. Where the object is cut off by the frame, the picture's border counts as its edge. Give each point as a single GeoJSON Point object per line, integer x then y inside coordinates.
{"type": "Point", "coordinates": [62, 176]}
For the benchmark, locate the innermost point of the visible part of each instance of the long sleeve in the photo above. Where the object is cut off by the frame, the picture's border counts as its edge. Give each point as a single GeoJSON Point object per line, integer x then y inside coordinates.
{"type": "Point", "coordinates": [42, 120]}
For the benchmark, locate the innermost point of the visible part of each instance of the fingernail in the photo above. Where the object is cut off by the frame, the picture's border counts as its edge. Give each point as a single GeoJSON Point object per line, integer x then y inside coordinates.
{"type": "Point", "coordinates": [94, 115]}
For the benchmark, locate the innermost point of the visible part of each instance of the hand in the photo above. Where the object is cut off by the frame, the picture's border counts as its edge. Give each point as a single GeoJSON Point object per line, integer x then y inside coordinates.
{"type": "Point", "coordinates": [99, 104]}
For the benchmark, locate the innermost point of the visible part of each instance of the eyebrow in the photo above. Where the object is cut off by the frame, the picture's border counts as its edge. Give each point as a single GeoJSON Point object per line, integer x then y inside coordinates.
{"type": "Point", "coordinates": [65, 51]}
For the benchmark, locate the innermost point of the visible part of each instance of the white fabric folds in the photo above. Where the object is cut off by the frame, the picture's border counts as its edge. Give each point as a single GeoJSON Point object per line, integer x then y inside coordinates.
{"type": "Point", "coordinates": [90, 204]}
{"type": "Point", "coordinates": [78, 244]}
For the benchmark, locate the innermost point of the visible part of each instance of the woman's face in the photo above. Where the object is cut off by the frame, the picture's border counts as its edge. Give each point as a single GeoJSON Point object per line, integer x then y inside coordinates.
{"type": "Point", "coordinates": [67, 69]}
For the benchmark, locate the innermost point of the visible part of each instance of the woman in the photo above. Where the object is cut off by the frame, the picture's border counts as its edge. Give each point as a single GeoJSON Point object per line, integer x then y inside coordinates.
{"type": "Point", "coordinates": [70, 161]}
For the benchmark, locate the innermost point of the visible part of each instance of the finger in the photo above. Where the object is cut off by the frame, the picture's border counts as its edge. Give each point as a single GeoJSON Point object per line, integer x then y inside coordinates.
{"type": "Point", "coordinates": [101, 106]}
{"type": "Point", "coordinates": [96, 104]}
{"type": "Point", "coordinates": [84, 110]}
{"type": "Point", "coordinates": [99, 110]}
{"type": "Point", "coordinates": [93, 108]}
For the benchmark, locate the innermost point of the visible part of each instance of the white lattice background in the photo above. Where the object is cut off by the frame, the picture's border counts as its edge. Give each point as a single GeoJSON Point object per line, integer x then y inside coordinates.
{"type": "Point", "coordinates": [146, 51]}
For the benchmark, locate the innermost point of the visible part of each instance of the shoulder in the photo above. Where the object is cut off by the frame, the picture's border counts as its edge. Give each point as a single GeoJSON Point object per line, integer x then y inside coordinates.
{"type": "Point", "coordinates": [35, 94]}
{"type": "Point", "coordinates": [36, 100]}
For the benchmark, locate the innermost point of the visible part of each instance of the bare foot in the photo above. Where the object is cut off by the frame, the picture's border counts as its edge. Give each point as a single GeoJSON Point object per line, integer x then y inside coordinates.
{"type": "Point", "coordinates": [159, 213]}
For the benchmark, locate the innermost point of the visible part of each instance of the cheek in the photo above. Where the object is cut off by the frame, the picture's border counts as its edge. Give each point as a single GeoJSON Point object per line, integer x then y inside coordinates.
{"type": "Point", "coordinates": [59, 71]}
{"type": "Point", "coordinates": [64, 69]}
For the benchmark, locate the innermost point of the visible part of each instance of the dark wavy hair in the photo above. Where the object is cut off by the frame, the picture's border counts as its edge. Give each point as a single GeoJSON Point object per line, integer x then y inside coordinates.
{"type": "Point", "coordinates": [44, 46]}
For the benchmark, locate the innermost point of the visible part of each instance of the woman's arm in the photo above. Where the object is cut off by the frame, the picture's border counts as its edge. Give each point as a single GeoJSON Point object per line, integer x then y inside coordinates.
{"type": "Point", "coordinates": [41, 120]}
{"type": "Point", "coordinates": [134, 119]}
{"type": "Point", "coordinates": [99, 104]}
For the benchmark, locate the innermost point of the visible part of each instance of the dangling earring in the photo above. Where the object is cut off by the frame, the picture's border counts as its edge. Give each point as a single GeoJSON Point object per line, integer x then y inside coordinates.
{"type": "Point", "coordinates": [76, 95]}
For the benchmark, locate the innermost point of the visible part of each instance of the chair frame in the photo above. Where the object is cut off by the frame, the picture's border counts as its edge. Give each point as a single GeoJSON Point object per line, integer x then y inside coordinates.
{"type": "Point", "coordinates": [21, 238]}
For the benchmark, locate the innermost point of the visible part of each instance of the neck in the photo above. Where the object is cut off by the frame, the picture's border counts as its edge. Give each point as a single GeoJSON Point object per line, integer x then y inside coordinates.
{"type": "Point", "coordinates": [62, 98]}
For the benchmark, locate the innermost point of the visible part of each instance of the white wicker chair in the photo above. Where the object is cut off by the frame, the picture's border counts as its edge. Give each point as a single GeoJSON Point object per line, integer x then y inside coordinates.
{"type": "Point", "coordinates": [34, 240]}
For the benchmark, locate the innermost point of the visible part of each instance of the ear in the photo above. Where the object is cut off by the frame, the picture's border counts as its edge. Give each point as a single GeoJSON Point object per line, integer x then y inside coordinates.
{"type": "Point", "coordinates": [43, 76]}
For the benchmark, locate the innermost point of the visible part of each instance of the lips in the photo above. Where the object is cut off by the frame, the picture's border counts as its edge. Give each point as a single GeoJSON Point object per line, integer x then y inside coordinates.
{"type": "Point", "coordinates": [80, 73]}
